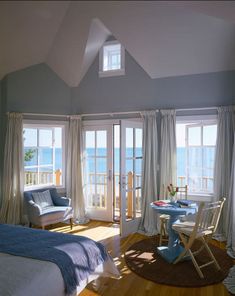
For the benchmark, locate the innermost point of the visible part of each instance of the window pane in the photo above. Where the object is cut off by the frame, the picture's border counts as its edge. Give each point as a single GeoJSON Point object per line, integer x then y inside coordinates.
{"type": "Point", "coordinates": [129, 142]}
{"type": "Point", "coordinates": [101, 165]}
{"type": "Point", "coordinates": [31, 176]}
{"type": "Point", "coordinates": [180, 135]}
{"type": "Point", "coordinates": [195, 162]}
{"type": "Point", "coordinates": [46, 175]}
{"type": "Point", "coordinates": [43, 151]}
{"type": "Point", "coordinates": [209, 135]}
{"type": "Point", "coordinates": [111, 57]}
{"type": "Point", "coordinates": [30, 156]}
{"type": "Point", "coordinates": [30, 137]}
{"type": "Point", "coordinates": [90, 143]}
{"type": "Point", "coordinates": [58, 137]}
{"type": "Point", "coordinates": [194, 136]}
{"type": "Point", "coordinates": [45, 138]}
{"type": "Point", "coordinates": [45, 156]}
{"type": "Point", "coordinates": [138, 142]}
{"type": "Point", "coordinates": [101, 143]}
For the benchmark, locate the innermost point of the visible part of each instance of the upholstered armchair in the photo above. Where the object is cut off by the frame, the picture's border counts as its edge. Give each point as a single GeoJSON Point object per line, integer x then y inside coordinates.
{"type": "Point", "coordinates": [45, 207]}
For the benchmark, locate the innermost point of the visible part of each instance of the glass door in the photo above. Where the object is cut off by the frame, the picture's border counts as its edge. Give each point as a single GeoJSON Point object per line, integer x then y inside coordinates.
{"type": "Point", "coordinates": [131, 163]}
{"type": "Point", "coordinates": [98, 173]}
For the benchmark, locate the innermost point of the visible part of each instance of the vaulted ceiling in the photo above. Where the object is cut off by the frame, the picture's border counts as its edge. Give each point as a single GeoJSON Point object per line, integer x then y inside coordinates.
{"type": "Point", "coordinates": [166, 38]}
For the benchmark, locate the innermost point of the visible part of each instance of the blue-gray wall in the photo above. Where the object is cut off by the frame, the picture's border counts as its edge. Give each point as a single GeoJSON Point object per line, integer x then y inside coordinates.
{"type": "Point", "coordinates": [137, 91]}
{"type": "Point", "coordinates": [37, 89]}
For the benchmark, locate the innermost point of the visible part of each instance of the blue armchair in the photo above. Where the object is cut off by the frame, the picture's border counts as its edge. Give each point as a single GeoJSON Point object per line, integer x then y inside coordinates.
{"type": "Point", "coordinates": [45, 207]}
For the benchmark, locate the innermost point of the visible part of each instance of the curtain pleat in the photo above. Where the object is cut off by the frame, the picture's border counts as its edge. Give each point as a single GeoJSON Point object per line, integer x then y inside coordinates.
{"type": "Point", "coordinates": [223, 165]}
{"type": "Point", "coordinates": [74, 180]}
{"type": "Point", "coordinates": [167, 151]}
{"type": "Point", "coordinates": [13, 172]}
{"type": "Point", "coordinates": [148, 223]}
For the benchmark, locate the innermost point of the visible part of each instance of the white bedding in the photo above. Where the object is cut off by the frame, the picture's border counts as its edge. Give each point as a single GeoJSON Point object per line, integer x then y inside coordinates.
{"type": "Point", "coordinates": [20, 276]}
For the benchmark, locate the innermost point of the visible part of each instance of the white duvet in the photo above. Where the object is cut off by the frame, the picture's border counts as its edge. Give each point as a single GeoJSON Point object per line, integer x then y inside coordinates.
{"type": "Point", "coordinates": [20, 276]}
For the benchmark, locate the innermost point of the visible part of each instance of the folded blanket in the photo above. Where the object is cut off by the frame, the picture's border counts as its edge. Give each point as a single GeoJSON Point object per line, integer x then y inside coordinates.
{"type": "Point", "coordinates": [76, 256]}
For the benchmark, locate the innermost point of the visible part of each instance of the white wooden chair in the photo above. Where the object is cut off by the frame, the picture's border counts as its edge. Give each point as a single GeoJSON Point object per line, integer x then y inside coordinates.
{"type": "Point", "coordinates": [181, 194]}
{"type": "Point", "coordinates": [202, 229]}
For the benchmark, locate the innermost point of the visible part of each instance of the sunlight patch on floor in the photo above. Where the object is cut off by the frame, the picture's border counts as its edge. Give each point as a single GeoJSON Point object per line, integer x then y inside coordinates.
{"type": "Point", "coordinates": [99, 233]}
{"type": "Point", "coordinates": [96, 233]}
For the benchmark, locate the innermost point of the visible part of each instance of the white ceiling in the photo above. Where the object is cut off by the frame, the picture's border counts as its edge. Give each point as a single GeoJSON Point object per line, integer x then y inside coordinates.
{"type": "Point", "coordinates": [166, 38]}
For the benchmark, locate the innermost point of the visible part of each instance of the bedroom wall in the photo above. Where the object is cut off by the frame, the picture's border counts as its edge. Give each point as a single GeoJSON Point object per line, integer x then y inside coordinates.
{"type": "Point", "coordinates": [137, 91]}
{"type": "Point", "coordinates": [37, 89]}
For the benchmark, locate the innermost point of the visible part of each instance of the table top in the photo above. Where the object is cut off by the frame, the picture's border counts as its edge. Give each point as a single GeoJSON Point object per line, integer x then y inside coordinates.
{"type": "Point", "coordinates": [173, 208]}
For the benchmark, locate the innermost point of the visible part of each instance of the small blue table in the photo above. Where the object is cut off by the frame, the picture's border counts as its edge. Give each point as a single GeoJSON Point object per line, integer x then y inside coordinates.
{"type": "Point", "coordinates": [173, 249]}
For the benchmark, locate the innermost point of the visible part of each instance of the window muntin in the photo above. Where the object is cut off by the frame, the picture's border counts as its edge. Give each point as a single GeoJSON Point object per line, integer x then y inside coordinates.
{"type": "Point", "coordinates": [112, 59]}
{"type": "Point", "coordinates": [43, 155]}
{"type": "Point", "coordinates": [195, 155]}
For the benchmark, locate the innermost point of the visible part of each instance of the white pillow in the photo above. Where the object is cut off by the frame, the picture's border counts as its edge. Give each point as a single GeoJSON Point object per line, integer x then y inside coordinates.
{"type": "Point", "coordinates": [43, 199]}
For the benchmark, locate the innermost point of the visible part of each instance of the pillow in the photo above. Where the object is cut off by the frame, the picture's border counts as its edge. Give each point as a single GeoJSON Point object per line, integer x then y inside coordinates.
{"type": "Point", "coordinates": [43, 199]}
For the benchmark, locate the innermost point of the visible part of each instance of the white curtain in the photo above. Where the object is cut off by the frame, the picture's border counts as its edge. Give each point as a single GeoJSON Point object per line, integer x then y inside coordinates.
{"type": "Point", "coordinates": [223, 164]}
{"type": "Point", "coordinates": [231, 213]}
{"type": "Point", "coordinates": [13, 172]}
{"type": "Point", "coordinates": [148, 223]}
{"type": "Point", "coordinates": [74, 183]}
{"type": "Point", "coordinates": [168, 151]}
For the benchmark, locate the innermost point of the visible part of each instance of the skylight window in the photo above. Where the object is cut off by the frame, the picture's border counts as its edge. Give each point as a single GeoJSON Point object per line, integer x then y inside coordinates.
{"type": "Point", "coordinates": [112, 55]}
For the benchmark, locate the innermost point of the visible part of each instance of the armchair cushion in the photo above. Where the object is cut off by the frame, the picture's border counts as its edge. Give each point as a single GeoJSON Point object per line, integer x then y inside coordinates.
{"type": "Point", "coordinates": [43, 199]}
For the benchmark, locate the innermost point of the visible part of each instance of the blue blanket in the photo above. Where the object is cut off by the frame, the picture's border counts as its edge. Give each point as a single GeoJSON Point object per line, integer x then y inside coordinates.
{"type": "Point", "coordinates": [76, 256]}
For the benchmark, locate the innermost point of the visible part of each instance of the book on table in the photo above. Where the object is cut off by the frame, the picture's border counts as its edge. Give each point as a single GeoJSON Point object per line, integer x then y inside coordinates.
{"type": "Point", "coordinates": [186, 203]}
{"type": "Point", "coordinates": [161, 203]}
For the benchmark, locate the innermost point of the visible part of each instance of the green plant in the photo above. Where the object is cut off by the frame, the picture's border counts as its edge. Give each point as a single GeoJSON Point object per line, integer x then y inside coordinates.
{"type": "Point", "coordinates": [29, 154]}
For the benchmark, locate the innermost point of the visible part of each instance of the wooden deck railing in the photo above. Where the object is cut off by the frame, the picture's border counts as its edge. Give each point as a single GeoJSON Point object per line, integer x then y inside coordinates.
{"type": "Point", "coordinates": [35, 178]}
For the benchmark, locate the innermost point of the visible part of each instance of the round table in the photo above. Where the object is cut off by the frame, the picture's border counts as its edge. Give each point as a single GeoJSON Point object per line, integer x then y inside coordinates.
{"type": "Point", "coordinates": [173, 249]}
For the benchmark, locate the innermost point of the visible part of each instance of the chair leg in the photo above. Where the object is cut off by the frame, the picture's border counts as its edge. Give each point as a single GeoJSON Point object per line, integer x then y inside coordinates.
{"type": "Point", "coordinates": [196, 265]}
{"type": "Point", "coordinates": [43, 227]}
{"type": "Point", "coordinates": [211, 255]}
{"type": "Point", "coordinates": [71, 223]}
{"type": "Point", "coordinates": [30, 225]}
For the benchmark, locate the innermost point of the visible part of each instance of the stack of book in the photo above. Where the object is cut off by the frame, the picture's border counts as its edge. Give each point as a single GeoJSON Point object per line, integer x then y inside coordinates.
{"type": "Point", "coordinates": [186, 203]}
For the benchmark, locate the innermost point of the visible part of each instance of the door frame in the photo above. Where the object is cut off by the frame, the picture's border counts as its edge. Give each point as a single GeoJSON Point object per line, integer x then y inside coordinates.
{"type": "Point", "coordinates": [130, 226]}
{"type": "Point", "coordinates": [107, 213]}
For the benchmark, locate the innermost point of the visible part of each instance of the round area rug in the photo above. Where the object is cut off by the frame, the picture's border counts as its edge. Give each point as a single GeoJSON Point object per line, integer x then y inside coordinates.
{"type": "Point", "coordinates": [143, 259]}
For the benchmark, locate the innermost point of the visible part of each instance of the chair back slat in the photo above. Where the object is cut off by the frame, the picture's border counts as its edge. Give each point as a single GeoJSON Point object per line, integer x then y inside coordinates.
{"type": "Point", "coordinates": [208, 219]}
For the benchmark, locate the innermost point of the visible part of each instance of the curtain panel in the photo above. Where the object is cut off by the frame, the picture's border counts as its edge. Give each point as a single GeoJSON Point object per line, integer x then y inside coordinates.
{"type": "Point", "coordinates": [13, 172]}
{"type": "Point", "coordinates": [148, 223]}
{"type": "Point", "coordinates": [167, 151]}
{"type": "Point", "coordinates": [74, 178]}
{"type": "Point", "coordinates": [223, 165]}
{"type": "Point", "coordinates": [231, 213]}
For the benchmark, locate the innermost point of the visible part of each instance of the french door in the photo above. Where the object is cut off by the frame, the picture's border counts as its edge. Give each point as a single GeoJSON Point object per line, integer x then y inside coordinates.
{"type": "Point", "coordinates": [98, 174]}
{"type": "Point", "coordinates": [130, 181]}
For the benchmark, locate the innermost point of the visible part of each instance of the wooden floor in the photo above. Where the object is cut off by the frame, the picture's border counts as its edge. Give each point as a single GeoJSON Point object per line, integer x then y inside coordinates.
{"type": "Point", "coordinates": [129, 284]}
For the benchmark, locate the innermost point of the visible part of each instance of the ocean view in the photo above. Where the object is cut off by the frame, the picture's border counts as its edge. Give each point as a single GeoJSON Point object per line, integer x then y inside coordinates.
{"type": "Point", "coordinates": [196, 156]}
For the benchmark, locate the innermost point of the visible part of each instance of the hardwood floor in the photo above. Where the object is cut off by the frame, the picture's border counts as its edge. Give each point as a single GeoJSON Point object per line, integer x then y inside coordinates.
{"type": "Point", "coordinates": [129, 284]}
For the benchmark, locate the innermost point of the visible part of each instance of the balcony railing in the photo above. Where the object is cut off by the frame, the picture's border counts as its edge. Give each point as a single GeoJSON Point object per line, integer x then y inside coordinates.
{"type": "Point", "coordinates": [41, 178]}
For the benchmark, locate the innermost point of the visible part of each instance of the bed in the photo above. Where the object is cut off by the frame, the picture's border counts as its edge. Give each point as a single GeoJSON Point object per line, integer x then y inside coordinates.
{"type": "Point", "coordinates": [29, 264]}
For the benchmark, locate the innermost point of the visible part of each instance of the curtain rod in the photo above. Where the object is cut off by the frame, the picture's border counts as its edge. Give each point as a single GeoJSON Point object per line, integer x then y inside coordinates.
{"type": "Point", "coordinates": [113, 113]}
{"type": "Point", "coordinates": [85, 114]}
{"type": "Point", "coordinates": [45, 114]}
{"type": "Point", "coordinates": [194, 109]}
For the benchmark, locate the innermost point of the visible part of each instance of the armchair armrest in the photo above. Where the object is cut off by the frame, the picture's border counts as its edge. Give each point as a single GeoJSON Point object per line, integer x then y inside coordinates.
{"type": "Point", "coordinates": [62, 201]}
{"type": "Point", "coordinates": [34, 210]}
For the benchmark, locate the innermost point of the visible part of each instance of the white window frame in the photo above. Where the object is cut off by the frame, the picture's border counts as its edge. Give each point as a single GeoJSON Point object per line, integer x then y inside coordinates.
{"type": "Point", "coordinates": [198, 120]}
{"type": "Point", "coordinates": [48, 124]}
{"type": "Point", "coordinates": [116, 72]}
